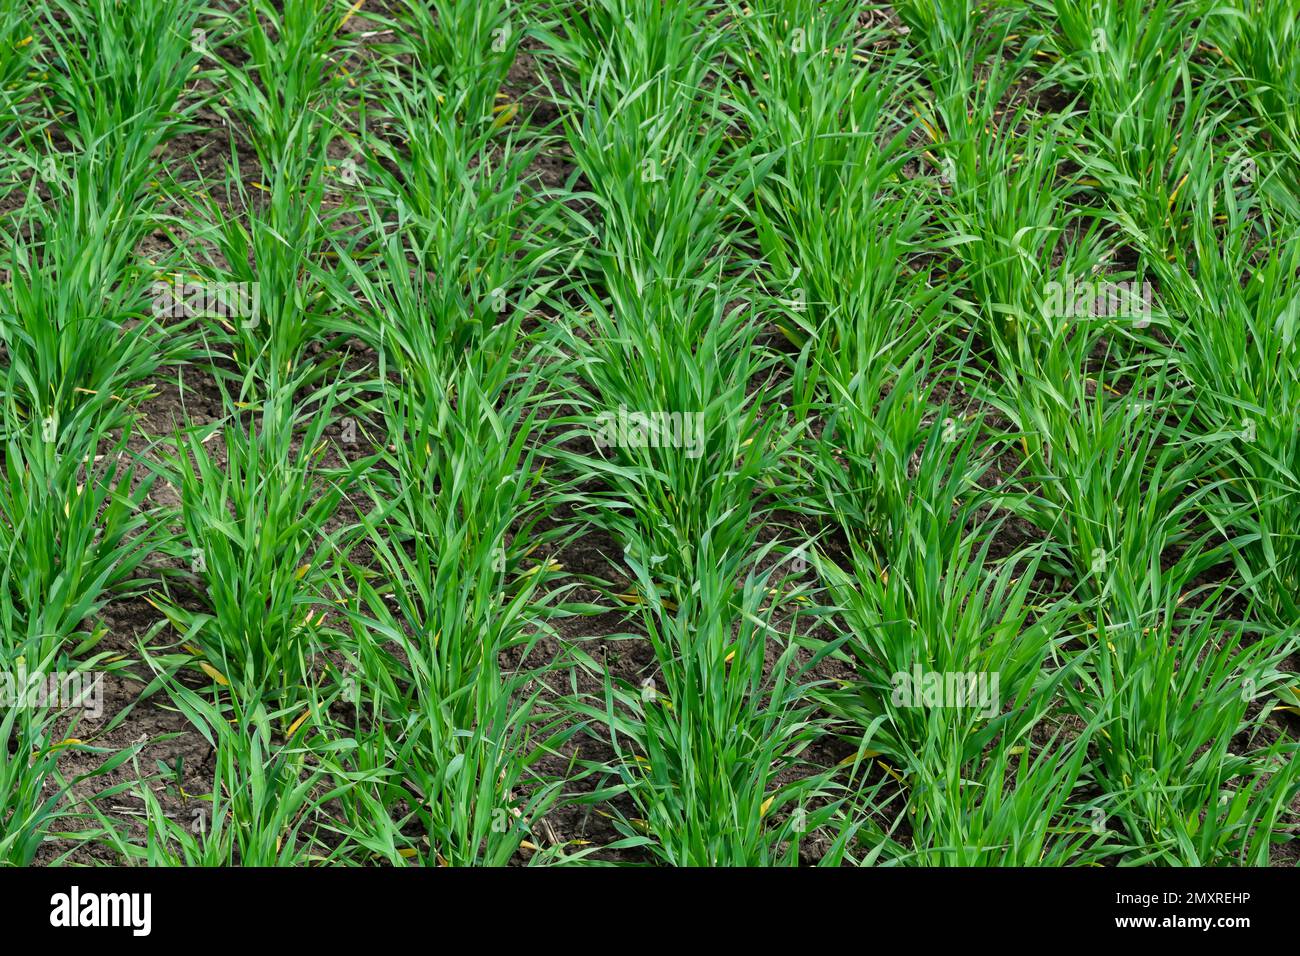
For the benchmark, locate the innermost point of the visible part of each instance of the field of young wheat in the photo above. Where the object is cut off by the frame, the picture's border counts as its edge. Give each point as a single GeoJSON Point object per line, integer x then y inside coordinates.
{"type": "Point", "coordinates": [672, 432]}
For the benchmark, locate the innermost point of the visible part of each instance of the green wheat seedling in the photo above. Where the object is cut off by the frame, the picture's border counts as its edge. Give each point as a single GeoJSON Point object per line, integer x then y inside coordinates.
{"type": "Point", "coordinates": [709, 745]}
{"type": "Point", "coordinates": [665, 356]}
{"type": "Point", "coordinates": [918, 592]}
{"type": "Point", "coordinates": [75, 529]}
{"type": "Point", "coordinates": [1258, 42]}
{"type": "Point", "coordinates": [1116, 482]}
{"type": "Point", "coordinates": [685, 455]}
{"type": "Point", "coordinates": [871, 358]}
{"type": "Point", "coordinates": [459, 51]}
{"type": "Point", "coordinates": [1111, 49]}
{"type": "Point", "coordinates": [615, 47]}
{"type": "Point", "coordinates": [455, 248]}
{"type": "Point", "coordinates": [857, 469]}
{"type": "Point", "coordinates": [835, 215]}
{"type": "Point", "coordinates": [271, 240]}
{"type": "Point", "coordinates": [1012, 214]}
{"type": "Point", "coordinates": [271, 245]}
{"type": "Point", "coordinates": [665, 349]}
{"type": "Point", "coordinates": [1259, 57]}
{"type": "Point", "coordinates": [927, 606]}
{"type": "Point", "coordinates": [77, 314]}
{"type": "Point", "coordinates": [1016, 807]}
{"type": "Point", "coordinates": [1144, 111]}
{"type": "Point", "coordinates": [1171, 689]}
{"type": "Point", "coordinates": [451, 589]}
{"type": "Point", "coordinates": [960, 48]}
{"type": "Point", "coordinates": [35, 797]}
{"type": "Point", "coordinates": [1017, 216]}
{"type": "Point", "coordinates": [258, 544]}
{"type": "Point", "coordinates": [17, 77]}
{"type": "Point", "coordinates": [270, 799]}
{"type": "Point", "coordinates": [27, 808]}
{"type": "Point", "coordinates": [1235, 294]}
{"type": "Point", "coordinates": [425, 327]}
{"type": "Point", "coordinates": [141, 59]}
{"type": "Point", "coordinates": [919, 595]}
{"type": "Point", "coordinates": [284, 96]}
